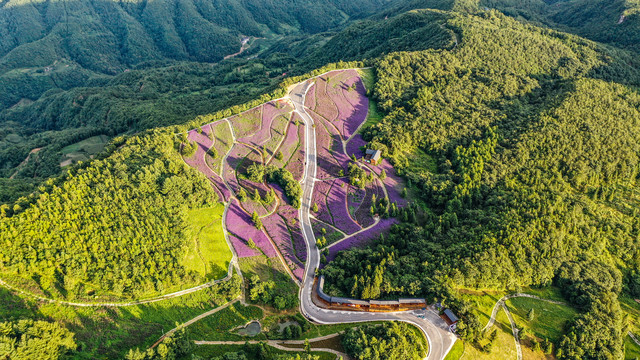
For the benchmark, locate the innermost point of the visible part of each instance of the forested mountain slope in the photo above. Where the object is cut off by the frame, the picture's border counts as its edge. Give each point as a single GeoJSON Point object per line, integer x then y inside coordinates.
{"type": "Point", "coordinates": [522, 146]}
{"type": "Point", "coordinates": [164, 94]}
{"type": "Point", "coordinates": [47, 44]}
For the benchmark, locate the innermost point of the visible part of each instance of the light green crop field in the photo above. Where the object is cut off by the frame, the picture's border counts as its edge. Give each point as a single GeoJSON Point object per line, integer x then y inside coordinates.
{"type": "Point", "coordinates": [549, 319]}
{"type": "Point", "coordinates": [504, 346]}
{"type": "Point", "coordinates": [456, 351]}
{"type": "Point", "coordinates": [207, 252]}
{"type": "Point", "coordinates": [83, 150]}
{"type": "Point", "coordinates": [632, 309]}
{"type": "Point", "coordinates": [374, 116]}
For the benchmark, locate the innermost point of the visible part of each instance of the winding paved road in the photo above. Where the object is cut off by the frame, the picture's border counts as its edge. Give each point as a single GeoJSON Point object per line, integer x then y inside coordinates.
{"type": "Point", "coordinates": [439, 337]}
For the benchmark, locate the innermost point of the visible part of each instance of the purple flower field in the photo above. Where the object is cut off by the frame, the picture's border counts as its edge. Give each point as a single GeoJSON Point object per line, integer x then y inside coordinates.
{"type": "Point", "coordinates": [363, 215]}
{"type": "Point", "coordinates": [353, 146]}
{"type": "Point", "coordinates": [241, 247]}
{"type": "Point", "coordinates": [290, 142]}
{"type": "Point", "coordinates": [295, 164]}
{"type": "Point", "coordinates": [240, 225]}
{"type": "Point", "coordinates": [310, 99]}
{"type": "Point", "coordinates": [332, 234]}
{"type": "Point", "coordinates": [392, 182]}
{"type": "Point", "coordinates": [328, 166]}
{"type": "Point", "coordinates": [320, 191]}
{"type": "Point", "coordinates": [337, 204]}
{"type": "Point", "coordinates": [290, 214]}
{"type": "Point", "coordinates": [338, 106]}
{"type": "Point", "coordinates": [337, 94]}
{"type": "Point", "coordinates": [236, 156]}
{"type": "Point", "coordinates": [266, 126]}
{"type": "Point", "coordinates": [198, 162]}
{"type": "Point", "coordinates": [362, 238]}
{"type": "Point", "coordinates": [355, 197]}
{"type": "Point", "coordinates": [325, 106]}
{"type": "Point", "coordinates": [222, 142]}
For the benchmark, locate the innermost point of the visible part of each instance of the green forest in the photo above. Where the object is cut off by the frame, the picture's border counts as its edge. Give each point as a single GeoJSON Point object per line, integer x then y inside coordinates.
{"type": "Point", "coordinates": [535, 134]}
{"type": "Point", "coordinates": [515, 124]}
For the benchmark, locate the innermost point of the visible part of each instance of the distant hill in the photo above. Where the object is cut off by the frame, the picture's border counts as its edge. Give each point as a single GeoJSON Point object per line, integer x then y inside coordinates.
{"type": "Point", "coordinates": [61, 44]}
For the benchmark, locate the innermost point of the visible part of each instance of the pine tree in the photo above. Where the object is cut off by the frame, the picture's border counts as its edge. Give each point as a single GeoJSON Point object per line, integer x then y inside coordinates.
{"type": "Point", "coordinates": [256, 220]}
{"type": "Point", "coordinates": [314, 208]}
{"type": "Point", "coordinates": [242, 195]}
{"type": "Point", "coordinates": [256, 195]}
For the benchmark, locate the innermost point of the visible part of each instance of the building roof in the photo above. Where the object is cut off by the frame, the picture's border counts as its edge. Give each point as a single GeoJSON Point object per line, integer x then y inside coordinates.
{"type": "Point", "coordinates": [335, 299]}
{"type": "Point", "coordinates": [374, 154]}
{"type": "Point", "coordinates": [384, 302]}
{"type": "Point", "coordinates": [412, 301]}
{"type": "Point", "coordinates": [450, 315]}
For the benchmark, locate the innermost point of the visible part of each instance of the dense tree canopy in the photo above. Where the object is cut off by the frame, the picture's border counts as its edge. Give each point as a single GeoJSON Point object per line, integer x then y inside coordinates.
{"type": "Point", "coordinates": [117, 224]}
{"type": "Point", "coordinates": [533, 136]}
{"type": "Point", "coordinates": [385, 341]}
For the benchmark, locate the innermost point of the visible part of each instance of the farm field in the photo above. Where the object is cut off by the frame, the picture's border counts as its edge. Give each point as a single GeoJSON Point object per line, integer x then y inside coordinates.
{"type": "Point", "coordinates": [83, 150]}
{"type": "Point", "coordinates": [208, 252]}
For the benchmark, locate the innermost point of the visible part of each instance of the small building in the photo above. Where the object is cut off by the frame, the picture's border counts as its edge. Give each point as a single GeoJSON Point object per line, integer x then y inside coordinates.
{"type": "Point", "coordinates": [372, 156]}
{"type": "Point", "coordinates": [349, 302]}
{"type": "Point", "coordinates": [412, 303]}
{"type": "Point", "coordinates": [384, 305]}
{"type": "Point", "coordinates": [451, 319]}
{"type": "Point", "coordinates": [451, 316]}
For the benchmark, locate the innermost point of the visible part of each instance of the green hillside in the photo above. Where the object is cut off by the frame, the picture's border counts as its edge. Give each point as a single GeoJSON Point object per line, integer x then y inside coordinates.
{"type": "Point", "coordinates": [536, 137]}
{"type": "Point", "coordinates": [516, 125]}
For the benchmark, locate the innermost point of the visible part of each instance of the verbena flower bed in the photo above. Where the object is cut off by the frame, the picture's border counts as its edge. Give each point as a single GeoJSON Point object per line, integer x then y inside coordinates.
{"type": "Point", "coordinates": [392, 182]}
{"type": "Point", "coordinates": [363, 214]}
{"type": "Point", "coordinates": [240, 225]}
{"type": "Point", "coordinates": [362, 238]}
{"type": "Point", "coordinates": [197, 161]}
{"type": "Point", "coordinates": [310, 98]}
{"type": "Point", "coordinates": [328, 166]}
{"type": "Point", "coordinates": [284, 229]}
{"type": "Point", "coordinates": [295, 164]}
{"type": "Point", "coordinates": [290, 142]}
{"type": "Point", "coordinates": [337, 204]}
{"type": "Point", "coordinates": [247, 123]}
{"type": "Point", "coordinates": [320, 191]}
{"type": "Point", "coordinates": [278, 131]}
{"type": "Point", "coordinates": [353, 146]}
{"type": "Point", "coordinates": [355, 197]}
{"type": "Point", "coordinates": [234, 159]}
{"type": "Point", "coordinates": [324, 105]}
{"type": "Point", "coordinates": [222, 142]}
{"type": "Point", "coordinates": [241, 247]}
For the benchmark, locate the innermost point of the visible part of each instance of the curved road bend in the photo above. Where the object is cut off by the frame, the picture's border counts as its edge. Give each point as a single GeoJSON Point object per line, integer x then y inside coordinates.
{"type": "Point", "coordinates": [439, 337]}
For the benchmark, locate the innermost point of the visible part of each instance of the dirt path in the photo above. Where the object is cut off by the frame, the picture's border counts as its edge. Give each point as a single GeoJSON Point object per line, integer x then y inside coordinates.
{"type": "Point", "coordinates": [278, 344]}
{"type": "Point", "coordinates": [501, 304]}
{"type": "Point", "coordinates": [245, 45]}
{"type": "Point", "coordinates": [131, 303]}
{"type": "Point", "coordinates": [24, 162]}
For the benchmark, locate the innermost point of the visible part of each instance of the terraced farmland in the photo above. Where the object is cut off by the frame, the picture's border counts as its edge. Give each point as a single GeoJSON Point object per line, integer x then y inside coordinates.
{"type": "Point", "coordinates": [272, 136]}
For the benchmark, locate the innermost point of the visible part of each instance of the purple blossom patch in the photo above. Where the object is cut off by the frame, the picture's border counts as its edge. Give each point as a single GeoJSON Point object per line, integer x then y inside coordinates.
{"type": "Point", "coordinates": [239, 224]}
{"type": "Point", "coordinates": [197, 161]}
{"type": "Point", "coordinates": [320, 191]}
{"type": "Point", "coordinates": [337, 204]}
{"type": "Point", "coordinates": [310, 98]}
{"type": "Point", "coordinates": [362, 238]}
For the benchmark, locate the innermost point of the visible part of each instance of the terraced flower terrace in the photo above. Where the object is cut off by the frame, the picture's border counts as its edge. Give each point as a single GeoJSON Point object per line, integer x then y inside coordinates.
{"type": "Point", "coordinates": [273, 134]}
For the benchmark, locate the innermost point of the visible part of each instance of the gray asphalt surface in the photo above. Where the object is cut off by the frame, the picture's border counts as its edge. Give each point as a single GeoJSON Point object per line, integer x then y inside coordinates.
{"type": "Point", "coordinates": [438, 335]}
